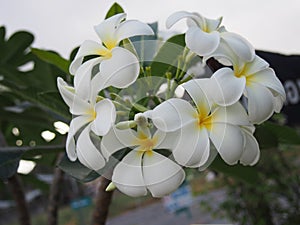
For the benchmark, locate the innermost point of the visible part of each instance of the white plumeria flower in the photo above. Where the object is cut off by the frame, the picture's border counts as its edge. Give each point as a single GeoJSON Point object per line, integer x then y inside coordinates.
{"type": "Point", "coordinates": [143, 168]}
{"type": "Point", "coordinates": [94, 116]}
{"type": "Point", "coordinates": [251, 151]}
{"type": "Point", "coordinates": [200, 125]}
{"type": "Point", "coordinates": [118, 66]}
{"type": "Point", "coordinates": [255, 79]}
{"type": "Point", "coordinates": [203, 35]}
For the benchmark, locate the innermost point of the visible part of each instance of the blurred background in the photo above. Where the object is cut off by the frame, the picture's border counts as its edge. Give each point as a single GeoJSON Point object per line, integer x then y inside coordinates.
{"type": "Point", "coordinates": [33, 119]}
{"type": "Point", "coordinates": [61, 25]}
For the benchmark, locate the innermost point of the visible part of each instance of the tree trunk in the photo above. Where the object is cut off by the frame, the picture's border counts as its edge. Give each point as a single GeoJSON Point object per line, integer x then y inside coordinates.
{"type": "Point", "coordinates": [19, 197]}
{"type": "Point", "coordinates": [54, 195]}
{"type": "Point", "coordinates": [17, 192]}
{"type": "Point", "coordinates": [103, 200]}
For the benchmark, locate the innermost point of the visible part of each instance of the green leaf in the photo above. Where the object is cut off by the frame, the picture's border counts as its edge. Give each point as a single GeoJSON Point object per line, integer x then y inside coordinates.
{"type": "Point", "coordinates": [2, 38]}
{"type": "Point", "coordinates": [114, 9]}
{"type": "Point", "coordinates": [53, 101]}
{"type": "Point", "coordinates": [166, 59]}
{"type": "Point", "coordinates": [52, 58]}
{"type": "Point", "coordinates": [284, 134]}
{"type": "Point", "coordinates": [9, 162]}
{"type": "Point", "coordinates": [146, 45]}
{"type": "Point", "coordinates": [46, 100]}
{"type": "Point", "coordinates": [30, 85]}
{"type": "Point", "coordinates": [13, 51]}
{"type": "Point", "coordinates": [33, 179]}
{"type": "Point", "coordinates": [270, 134]}
{"type": "Point", "coordinates": [245, 173]}
{"type": "Point", "coordinates": [31, 152]}
{"type": "Point", "coordinates": [265, 138]}
{"type": "Point", "coordinates": [77, 170]}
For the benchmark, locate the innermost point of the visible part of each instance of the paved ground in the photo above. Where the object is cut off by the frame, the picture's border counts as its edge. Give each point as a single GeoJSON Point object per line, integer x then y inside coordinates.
{"type": "Point", "coordinates": [155, 214]}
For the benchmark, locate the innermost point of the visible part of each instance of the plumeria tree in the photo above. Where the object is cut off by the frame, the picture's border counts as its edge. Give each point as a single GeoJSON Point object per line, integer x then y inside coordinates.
{"type": "Point", "coordinates": [139, 116]}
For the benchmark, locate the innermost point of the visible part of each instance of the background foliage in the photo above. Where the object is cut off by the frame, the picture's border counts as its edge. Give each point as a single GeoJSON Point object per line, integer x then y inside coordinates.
{"type": "Point", "coordinates": [30, 102]}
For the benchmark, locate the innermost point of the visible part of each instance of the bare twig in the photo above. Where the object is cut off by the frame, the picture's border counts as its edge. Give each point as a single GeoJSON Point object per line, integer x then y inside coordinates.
{"type": "Point", "coordinates": [54, 195]}
{"type": "Point", "coordinates": [213, 64]}
{"type": "Point", "coordinates": [17, 192]}
{"type": "Point", "coordinates": [103, 200]}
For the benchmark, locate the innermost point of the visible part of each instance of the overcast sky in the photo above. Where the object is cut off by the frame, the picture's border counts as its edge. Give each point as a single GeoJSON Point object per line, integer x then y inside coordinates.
{"type": "Point", "coordinates": [61, 25]}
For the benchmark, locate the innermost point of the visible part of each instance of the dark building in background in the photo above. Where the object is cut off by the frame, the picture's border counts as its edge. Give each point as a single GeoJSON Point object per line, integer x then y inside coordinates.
{"type": "Point", "coordinates": [287, 68]}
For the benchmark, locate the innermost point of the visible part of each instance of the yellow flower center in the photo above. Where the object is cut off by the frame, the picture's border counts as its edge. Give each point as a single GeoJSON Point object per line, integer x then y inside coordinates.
{"type": "Point", "coordinates": [204, 119]}
{"type": "Point", "coordinates": [206, 29]}
{"type": "Point", "coordinates": [106, 53]}
{"type": "Point", "coordinates": [145, 144]}
{"type": "Point", "coordinates": [92, 113]}
{"type": "Point", "coordinates": [110, 44]}
{"type": "Point", "coordinates": [240, 72]}
{"type": "Point", "coordinates": [243, 72]}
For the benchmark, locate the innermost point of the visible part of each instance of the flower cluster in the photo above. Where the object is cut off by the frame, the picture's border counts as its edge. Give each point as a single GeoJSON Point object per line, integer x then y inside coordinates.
{"type": "Point", "coordinates": [161, 136]}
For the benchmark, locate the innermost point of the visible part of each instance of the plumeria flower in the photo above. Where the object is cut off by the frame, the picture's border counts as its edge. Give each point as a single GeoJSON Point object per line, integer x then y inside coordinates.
{"type": "Point", "coordinates": [203, 35]}
{"type": "Point", "coordinates": [143, 168]}
{"type": "Point", "coordinates": [201, 124]}
{"type": "Point", "coordinates": [117, 66]}
{"type": "Point", "coordinates": [251, 151]}
{"type": "Point", "coordinates": [255, 79]}
{"type": "Point", "coordinates": [90, 115]}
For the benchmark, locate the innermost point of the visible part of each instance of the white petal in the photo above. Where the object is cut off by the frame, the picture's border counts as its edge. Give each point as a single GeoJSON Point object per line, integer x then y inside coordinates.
{"type": "Point", "coordinates": [198, 90]}
{"type": "Point", "coordinates": [75, 125]}
{"type": "Point", "coordinates": [260, 103]}
{"type": "Point", "coordinates": [226, 89]}
{"type": "Point", "coordinates": [76, 104]}
{"type": "Point", "coordinates": [239, 45]}
{"type": "Point", "coordinates": [106, 30]}
{"type": "Point", "coordinates": [127, 175]}
{"type": "Point", "coordinates": [87, 152]}
{"type": "Point", "coordinates": [251, 151]}
{"type": "Point", "coordinates": [143, 132]}
{"type": "Point", "coordinates": [132, 28]}
{"type": "Point", "coordinates": [165, 140]}
{"type": "Point", "coordinates": [65, 91]}
{"type": "Point", "coordinates": [228, 140]}
{"type": "Point", "coordinates": [200, 42]}
{"type": "Point", "coordinates": [212, 24]}
{"type": "Point", "coordinates": [86, 48]}
{"type": "Point", "coordinates": [175, 17]}
{"type": "Point", "coordinates": [249, 128]}
{"type": "Point", "coordinates": [117, 139]}
{"type": "Point", "coordinates": [224, 54]}
{"type": "Point", "coordinates": [268, 78]}
{"type": "Point", "coordinates": [192, 148]}
{"type": "Point", "coordinates": [278, 103]}
{"type": "Point", "coordinates": [82, 79]}
{"type": "Point", "coordinates": [105, 117]}
{"type": "Point", "coordinates": [161, 175]}
{"type": "Point", "coordinates": [120, 71]}
{"type": "Point", "coordinates": [234, 114]}
{"type": "Point", "coordinates": [173, 114]}
{"type": "Point", "coordinates": [212, 155]}
{"type": "Point", "coordinates": [256, 65]}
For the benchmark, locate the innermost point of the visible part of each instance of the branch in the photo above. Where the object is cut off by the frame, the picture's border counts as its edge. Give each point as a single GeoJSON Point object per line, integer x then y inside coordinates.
{"type": "Point", "coordinates": [54, 195]}
{"type": "Point", "coordinates": [214, 65]}
{"type": "Point", "coordinates": [103, 200]}
{"type": "Point", "coordinates": [33, 150]}
{"type": "Point", "coordinates": [17, 192]}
